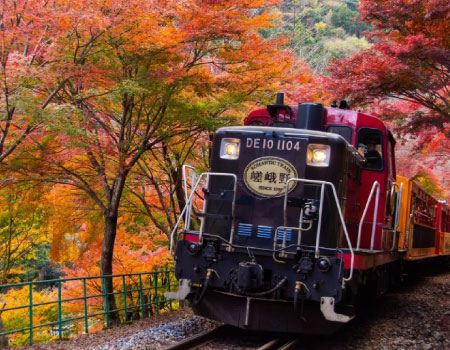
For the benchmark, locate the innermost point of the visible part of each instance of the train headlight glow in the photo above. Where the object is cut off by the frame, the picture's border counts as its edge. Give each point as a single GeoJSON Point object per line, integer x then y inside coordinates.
{"type": "Point", "coordinates": [229, 148]}
{"type": "Point", "coordinates": [318, 155]}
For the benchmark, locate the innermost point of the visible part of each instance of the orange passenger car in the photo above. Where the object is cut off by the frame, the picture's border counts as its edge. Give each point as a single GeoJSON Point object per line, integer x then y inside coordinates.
{"type": "Point", "coordinates": [424, 223]}
{"type": "Point", "coordinates": [443, 229]}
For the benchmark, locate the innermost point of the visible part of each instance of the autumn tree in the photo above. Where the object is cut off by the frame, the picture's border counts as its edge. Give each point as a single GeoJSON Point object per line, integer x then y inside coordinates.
{"type": "Point", "coordinates": [130, 72]}
{"type": "Point", "coordinates": [30, 73]}
{"type": "Point", "coordinates": [409, 61]}
{"type": "Point", "coordinates": [156, 190]}
{"type": "Point", "coordinates": [21, 233]}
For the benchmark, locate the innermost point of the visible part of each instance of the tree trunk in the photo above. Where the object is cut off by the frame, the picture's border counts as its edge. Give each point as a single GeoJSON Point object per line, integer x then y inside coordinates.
{"type": "Point", "coordinates": [106, 267]}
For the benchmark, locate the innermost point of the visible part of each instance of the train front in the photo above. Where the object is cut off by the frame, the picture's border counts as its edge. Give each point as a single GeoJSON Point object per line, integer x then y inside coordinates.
{"type": "Point", "coordinates": [262, 252]}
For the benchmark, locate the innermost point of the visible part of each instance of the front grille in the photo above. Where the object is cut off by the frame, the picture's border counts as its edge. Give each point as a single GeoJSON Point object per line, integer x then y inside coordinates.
{"type": "Point", "coordinates": [281, 233]}
{"type": "Point", "coordinates": [245, 230]}
{"type": "Point", "coordinates": [264, 232]}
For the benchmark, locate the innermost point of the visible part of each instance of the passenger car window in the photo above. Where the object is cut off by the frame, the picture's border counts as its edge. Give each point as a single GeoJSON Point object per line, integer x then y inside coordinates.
{"type": "Point", "coordinates": [370, 143]}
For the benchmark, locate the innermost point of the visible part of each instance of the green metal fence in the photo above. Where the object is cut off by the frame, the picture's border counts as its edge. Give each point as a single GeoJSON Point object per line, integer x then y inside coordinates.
{"type": "Point", "coordinates": [78, 305]}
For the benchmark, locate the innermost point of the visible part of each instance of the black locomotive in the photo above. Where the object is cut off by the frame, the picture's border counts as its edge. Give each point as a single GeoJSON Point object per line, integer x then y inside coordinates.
{"type": "Point", "coordinates": [276, 244]}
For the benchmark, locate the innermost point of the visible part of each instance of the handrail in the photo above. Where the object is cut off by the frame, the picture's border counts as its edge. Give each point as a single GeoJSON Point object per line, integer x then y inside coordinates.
{"type": "Point", "coordinates": [285, 228]}
{"type": "Point", "coordinates": [398, 206]}
{"type": "Point", "coordinates": [398, 202]}
{"type": "Point", "coordinates": [187, 219]}
{"type": "Point", "coordinates": [322, 195]}
{"type": "Point", "coordinates": [129, 290]}
{"type": "Point", "coordinates": [172, 234]}
{"type": "Point", "coordinates": [341, 217]}
{"type": "Point", "coordinates": [376, 185]}
{"type": "Point", "coordinates": [202, 220]}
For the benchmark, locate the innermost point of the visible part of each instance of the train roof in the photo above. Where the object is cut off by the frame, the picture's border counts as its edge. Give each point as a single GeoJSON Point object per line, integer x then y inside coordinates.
{"type": "Point", "coordinates": [340, 116]}
{"type": "Point", "coordinates": [332, 117]}
{"type": "Point", "coordinates": [286, 131]}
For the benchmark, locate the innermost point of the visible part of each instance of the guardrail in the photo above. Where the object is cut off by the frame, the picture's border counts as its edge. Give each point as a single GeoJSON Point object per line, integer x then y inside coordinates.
{"type": "Point", "coordinates": [76, 305]}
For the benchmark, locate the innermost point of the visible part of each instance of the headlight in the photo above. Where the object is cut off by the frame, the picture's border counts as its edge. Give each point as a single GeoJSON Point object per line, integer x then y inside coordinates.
{"type": "Point", "coordinates": [324, 264]}
{"type": "Point", "coordinates": [229, 148]}
{"type": "Point", "coordinates": [318, 155]}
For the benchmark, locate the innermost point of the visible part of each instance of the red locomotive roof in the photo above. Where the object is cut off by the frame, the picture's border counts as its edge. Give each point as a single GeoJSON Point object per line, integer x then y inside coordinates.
{"type": "Point", "coordinates": [333, 116]}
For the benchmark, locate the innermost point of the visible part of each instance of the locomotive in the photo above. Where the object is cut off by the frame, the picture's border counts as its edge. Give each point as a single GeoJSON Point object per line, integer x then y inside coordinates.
{"type": "Point", "coordinates": [296, 222]}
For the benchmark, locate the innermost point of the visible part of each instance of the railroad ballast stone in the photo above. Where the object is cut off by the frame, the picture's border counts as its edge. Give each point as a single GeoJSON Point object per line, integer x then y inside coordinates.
{"type": "Point", "coordinates": [163, 334]}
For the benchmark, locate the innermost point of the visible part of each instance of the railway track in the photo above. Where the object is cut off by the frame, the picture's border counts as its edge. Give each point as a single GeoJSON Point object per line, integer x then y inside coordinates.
{"type": "Point", "coordinates": [207, 339]}
{"type": "Point", "coordinates": [200, 339]}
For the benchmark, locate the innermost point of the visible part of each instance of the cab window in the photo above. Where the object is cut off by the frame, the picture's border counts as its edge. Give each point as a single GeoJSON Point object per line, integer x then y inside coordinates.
{"type": "Point", "coordinates": [370, 146]}
{"type": "Point", "coordinates": [345, 131]}
{"type": "Point", "coordinates": [256, 123]}
{"type": "Point", "coordinates": [283, 124]}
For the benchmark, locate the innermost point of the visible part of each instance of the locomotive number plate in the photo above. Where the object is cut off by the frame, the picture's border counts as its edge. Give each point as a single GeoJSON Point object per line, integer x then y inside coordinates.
{"type": "Point", "coordinates": [267, 176]}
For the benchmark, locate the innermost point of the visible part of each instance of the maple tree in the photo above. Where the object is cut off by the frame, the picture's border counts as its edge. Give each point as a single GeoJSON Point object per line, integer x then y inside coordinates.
{"type": "Point", "coordinates": [408, 61]}
{"type": "Point", "coordinates": [31, 73]}
{"type": "Point", "coordinates": [156, 190]}
{"type": "Point", "coordinates": [21, 233]}
{"type": "Point", "coordinates": [135, 75]}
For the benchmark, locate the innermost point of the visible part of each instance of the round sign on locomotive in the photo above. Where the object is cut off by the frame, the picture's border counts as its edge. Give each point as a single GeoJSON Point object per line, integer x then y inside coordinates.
{"type": "Point", "coordinates": [300, 218]}
{"type": "Point", "coordinates": [267, 176]}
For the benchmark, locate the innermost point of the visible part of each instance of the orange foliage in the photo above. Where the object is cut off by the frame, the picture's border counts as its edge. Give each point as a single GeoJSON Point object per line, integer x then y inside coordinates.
{"type": "Point", "coordinates": [133, 253]}
{"type": "Point", "coordinates": [19, 319]}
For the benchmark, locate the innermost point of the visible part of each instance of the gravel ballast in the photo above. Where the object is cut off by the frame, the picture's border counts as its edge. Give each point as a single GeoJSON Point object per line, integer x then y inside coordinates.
{"type": "Point", "coordinates": [163, 334]}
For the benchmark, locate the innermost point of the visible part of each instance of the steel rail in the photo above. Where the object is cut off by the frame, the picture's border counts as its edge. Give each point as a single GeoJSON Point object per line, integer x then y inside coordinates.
{"type": "Point", "coordinates": [200, 339]}
{"type": "Point", "coordinates": [290, 345]}
{"type": "Point", "coordinates": [283, 343]}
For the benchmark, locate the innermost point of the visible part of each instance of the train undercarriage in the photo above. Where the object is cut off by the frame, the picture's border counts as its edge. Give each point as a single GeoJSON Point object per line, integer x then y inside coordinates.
{"type": "Point", "coordinates": [298, 298]}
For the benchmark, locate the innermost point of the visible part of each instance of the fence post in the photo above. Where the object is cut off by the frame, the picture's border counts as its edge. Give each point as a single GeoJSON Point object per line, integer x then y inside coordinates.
{"type": "Point", "coordinates": [30, 313]}
{"type": "Point", "coordinates": [155, 280]}
{"type": "Point", "coordinates": [86, 325]}
{"type": "Point", "coordinates": [105, 301]}
{"type": "Point", "coordinates": [3, 338]}
{"type": "Point", "coordinates": [168, 289]}
{"type": "Point", "coordinates": [125, 297]}
{"type": "Point", "coordinates": [59, 311]}
{"type": "Point", "coordinates": [141, 296]}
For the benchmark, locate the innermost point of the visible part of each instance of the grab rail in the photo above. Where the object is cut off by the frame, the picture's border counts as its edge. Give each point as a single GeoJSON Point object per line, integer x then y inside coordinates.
{"type": "Point", "coordinates": [188, 207]}
{"type": "Point", "coordinates": [186, 210]}
{"type": "Point", "coordinates": [398, 202]}
{"type": "Point", "coordinates": [341, 217]}
{"type": "Point", "coordinates": [187, 219]}
{"type": "Point", "coordinates": [285, 228]}
{"type": "Point", "coordinates": [376, 185]}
